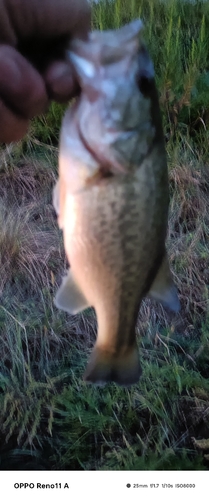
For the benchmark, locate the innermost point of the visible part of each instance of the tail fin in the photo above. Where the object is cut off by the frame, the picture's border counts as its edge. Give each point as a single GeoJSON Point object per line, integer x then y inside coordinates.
{"type": "Point", "coordinates": [123, 369]}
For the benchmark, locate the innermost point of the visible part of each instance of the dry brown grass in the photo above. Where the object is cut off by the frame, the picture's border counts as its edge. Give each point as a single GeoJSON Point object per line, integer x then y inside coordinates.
{"type": "Point", "coordinates": [188, 248]}
{"type": "Point", "coordinates": [31, 247]}
{"type": "Point", "coordinates": [42, 347]}
{"type": "Point", "coordinates": [188, 236]}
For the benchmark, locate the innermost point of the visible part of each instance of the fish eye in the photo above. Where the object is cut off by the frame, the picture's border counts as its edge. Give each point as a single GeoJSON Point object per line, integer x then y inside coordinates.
{"type": "Point", "coordinates": [145, 84]}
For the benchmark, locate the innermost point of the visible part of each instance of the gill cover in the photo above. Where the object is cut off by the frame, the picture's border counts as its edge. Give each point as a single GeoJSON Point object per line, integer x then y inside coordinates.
{"type": "Point", "coordinates": [113, 113]}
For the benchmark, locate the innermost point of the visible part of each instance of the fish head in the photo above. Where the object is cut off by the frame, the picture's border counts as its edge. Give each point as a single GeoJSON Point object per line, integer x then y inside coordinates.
{"type": "Point", "coordinates": [115, 116]}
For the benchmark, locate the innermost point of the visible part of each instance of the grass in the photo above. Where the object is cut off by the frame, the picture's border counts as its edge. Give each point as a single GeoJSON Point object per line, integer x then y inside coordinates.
{"type": "Point", "coordinates": [50, 419]}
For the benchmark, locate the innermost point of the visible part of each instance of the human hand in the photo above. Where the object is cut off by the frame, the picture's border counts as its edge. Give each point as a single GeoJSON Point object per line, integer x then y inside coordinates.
{"type": "Point", "coordinates": [33, 37]}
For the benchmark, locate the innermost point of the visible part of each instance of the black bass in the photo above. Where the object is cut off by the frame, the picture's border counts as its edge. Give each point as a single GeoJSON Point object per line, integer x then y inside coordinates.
{"type": "Point", "coordinates": [112, 197]}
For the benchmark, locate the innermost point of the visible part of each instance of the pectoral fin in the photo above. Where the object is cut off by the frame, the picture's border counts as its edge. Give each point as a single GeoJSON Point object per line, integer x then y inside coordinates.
{"type": "Point", "coordinates": [56, 198]}
{"type": "Point", "coordinates": [56, 202]}
{"type": "Point", "coordinates": [69, 298]}
{"type": "Point", "coordinates": [163, 289]}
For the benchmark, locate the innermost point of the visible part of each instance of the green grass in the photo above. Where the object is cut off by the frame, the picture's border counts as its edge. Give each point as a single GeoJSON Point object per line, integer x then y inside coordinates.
{"type": "Point", "coordinates": [49, 418]}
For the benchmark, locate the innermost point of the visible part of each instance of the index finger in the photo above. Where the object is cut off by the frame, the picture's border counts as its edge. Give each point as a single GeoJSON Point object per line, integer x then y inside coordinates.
{"type": "Point", "coordinates": [46, 19]}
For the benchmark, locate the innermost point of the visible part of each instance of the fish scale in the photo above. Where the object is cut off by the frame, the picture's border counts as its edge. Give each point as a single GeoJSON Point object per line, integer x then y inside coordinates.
{"type": "Point", "coordinates": [112, 198]}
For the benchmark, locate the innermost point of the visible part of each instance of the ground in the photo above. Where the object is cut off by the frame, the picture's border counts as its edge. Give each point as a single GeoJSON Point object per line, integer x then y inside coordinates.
{"type": "Point", "coordinates": [50, 419]}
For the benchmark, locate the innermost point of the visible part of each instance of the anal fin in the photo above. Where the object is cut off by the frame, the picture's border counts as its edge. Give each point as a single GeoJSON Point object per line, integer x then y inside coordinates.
{"type": "Point", "coordinates": [56, 197]}
{"type": "Point", "coordinates": [163, 289]}
{"type": "Point", "coordinates": [69, 298]}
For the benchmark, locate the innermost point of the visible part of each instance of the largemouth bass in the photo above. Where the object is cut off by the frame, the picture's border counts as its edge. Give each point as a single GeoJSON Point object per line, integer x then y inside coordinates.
{"type": "Point", "coordinates": [112, 197]}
